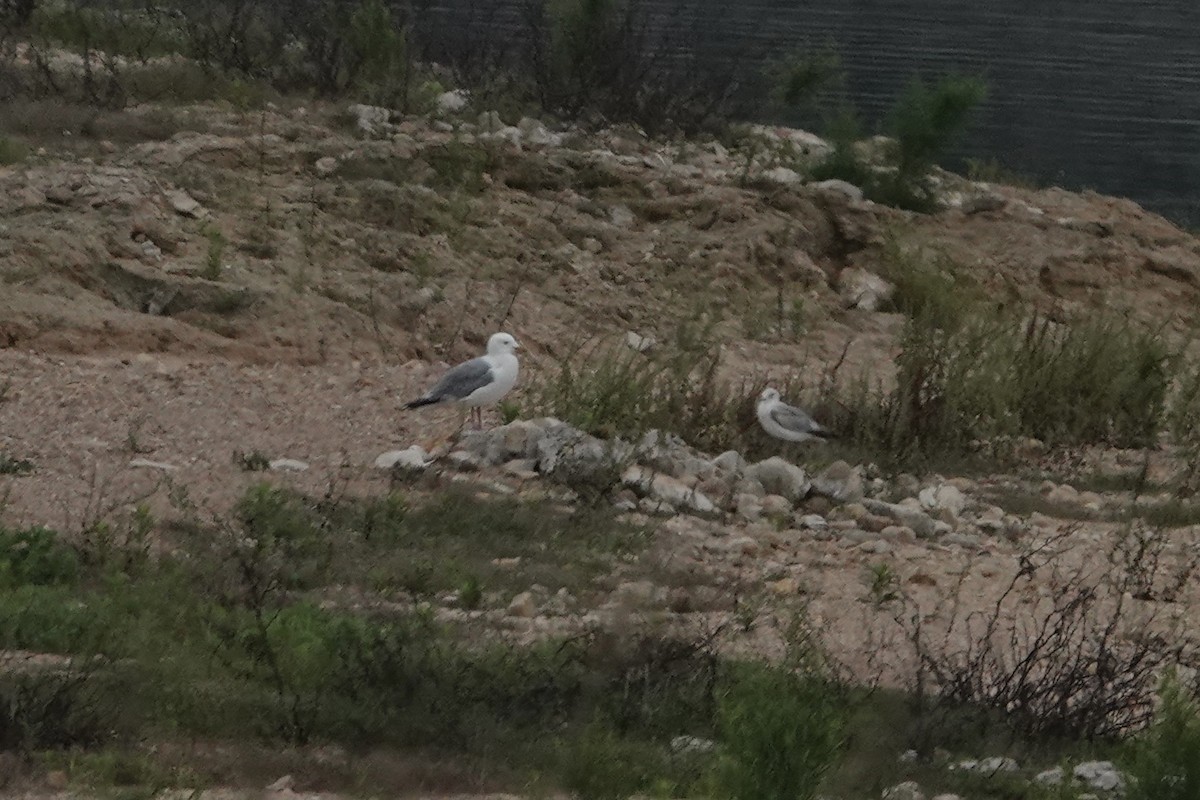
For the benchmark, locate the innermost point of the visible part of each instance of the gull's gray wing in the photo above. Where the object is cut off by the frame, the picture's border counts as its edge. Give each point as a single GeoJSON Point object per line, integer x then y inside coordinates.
{"type": "Point", "coordinates": [461, 381]}
{"type": "Point", "coordinates": [793, 419]}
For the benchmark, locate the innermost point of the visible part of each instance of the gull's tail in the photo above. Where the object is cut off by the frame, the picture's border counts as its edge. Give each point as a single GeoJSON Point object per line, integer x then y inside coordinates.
{"type": "Point", "coordinates": [423, 401]}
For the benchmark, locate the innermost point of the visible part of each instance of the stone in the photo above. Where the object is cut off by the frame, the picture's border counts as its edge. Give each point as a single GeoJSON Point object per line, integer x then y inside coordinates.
{"type": "Point", "coordinates": [839, 482]}
{"type": "Point", "coordinates": [640, 343]}
{"type": "Point", "coordinates": [943, 498]}
{"type": "Point", "coordinates": [839, 187]}
{"type": "Point", "coordinates": [966, 540]}
{"type": "Point", "coordinates": [621, 216]}
{"type": "Point", "coordinates": [987, 766]}
{"type": "Point", "coordinates": [909, 790]}
{"type": "Point", "coordinates": [369, 120]}
{"type": "Point", "coordinates": [465, 461]}
{"type": "Point", "coordinates": [184, 204]}
{"type": "Point", "coordinates": [326, 166]}
{"type": "Point", "coordinates": [666, 489]}
{"type": "Point", "coordinates": [522, 606]}
{"type": "Point", "coordinates": [1050, 777]}
{"type": "Point", "coordinates": [898, 533]}
{"type": "Point", "coordinates": [1102, 776]}
{"type": "Point", "coordinates": [147, 464]}
{"type": "Point", "coordinates": [452, 101]}
{"type": "Point", "coordinates": [414, 458]}
{"type": "Point", "coordinates": [780, 477]}
{"type": "Point", "coordinates": [748, 507]}
{"type": "Point", "coordinates": [909, 757]}
{"type": "Point", "coordinates": [535, 133]}
{"type": "Point", "coordinates": [920, 522]}
{"type": "Point", "coordinates": [784, 587]}
{"type": "Point", "coordinates": [288, 465]}
{"type": "Point", "coordinates": [982, 202]}
{"type": "Point", "coordinates": [284, 784]}
{"type": "Point", "coordinates": [774, 505]}
{"type": "Point", "coordinates": [784, 176]}
{"type": "Point", "coordinates": [692, 745]}
{"type": "Point", "coordinates": [864, 290]}
{"type": "Point", "coordinates": [730, 461]}
{"type": "Point", "coordinates": [813, 522]}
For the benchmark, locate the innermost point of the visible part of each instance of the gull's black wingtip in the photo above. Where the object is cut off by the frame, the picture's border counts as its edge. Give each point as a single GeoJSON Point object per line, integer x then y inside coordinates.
{"type": "Point", "coordinates": [420, 401]}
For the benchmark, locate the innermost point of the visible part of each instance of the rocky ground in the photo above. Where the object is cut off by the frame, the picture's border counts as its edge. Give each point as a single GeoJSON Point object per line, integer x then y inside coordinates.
{"type": "Point", "coordinates": [189, 284]}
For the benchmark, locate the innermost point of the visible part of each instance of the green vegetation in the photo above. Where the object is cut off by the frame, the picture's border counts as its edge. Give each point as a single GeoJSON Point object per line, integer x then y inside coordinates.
{"type": "Point", "coordinates": [1164, 762]}
{"type": "Point", "coordinates": [236, 632]}
{"type": "Point", "coordinates": [924, 123]}
{"type": "Point", "coordinates": [11, 151]}
{"type": "Point", "coordinates": [15, 466]}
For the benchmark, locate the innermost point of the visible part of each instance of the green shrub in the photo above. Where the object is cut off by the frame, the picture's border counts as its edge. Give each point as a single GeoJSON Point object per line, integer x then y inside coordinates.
{"type": "Point", "coordinates": [1163, 763]}
{"type": "Point", "coordinates": [378, 55]}
{"type": "Point", "coordinates": [599, 764]}
{"type": "Point", "coordinates": [36, 556]}
{"type": "Point", "coordinates": [994, 377]}
{"type": "Point", "coordinates": [11, 151]}
{"type": "Point", "coordinates": [780, 733]}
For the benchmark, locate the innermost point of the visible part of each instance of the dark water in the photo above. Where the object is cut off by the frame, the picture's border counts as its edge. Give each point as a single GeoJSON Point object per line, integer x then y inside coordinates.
{"type": "Point", "coordinates": [1082, 93]}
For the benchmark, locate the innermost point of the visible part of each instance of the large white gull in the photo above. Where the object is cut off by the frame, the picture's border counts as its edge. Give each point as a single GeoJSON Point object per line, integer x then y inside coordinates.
{"type": "Point", "coordinates": [479, 382]}
{"type": "Point", "coordinates": [787, 422]}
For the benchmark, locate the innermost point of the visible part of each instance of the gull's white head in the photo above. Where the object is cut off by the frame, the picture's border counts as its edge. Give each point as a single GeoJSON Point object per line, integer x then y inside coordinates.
{"type": "Point", "coordinates": [768, 395]}
{"type": "Point", "coordinates": [500, 344]}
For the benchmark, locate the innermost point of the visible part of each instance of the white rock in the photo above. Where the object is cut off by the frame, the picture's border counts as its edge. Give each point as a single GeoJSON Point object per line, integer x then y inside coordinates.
{"type": "Point", "coordinates": [413, 457]}
{"type": "Point", "coordinates": [452, 101]}
{"type": "Point", "coordinates": [784, 176]}
{"type": "Point", "coordinates": [780, 477]}
{"type": "Point", "coordinates": [844, 188]}
{"type": "Point", "coordinates": [988, 766]}
{"type": "Point", "coordinates": [840, 482]}
{"type": "Point", "coordinates": [1050, 777]}
{"type": "Point", "coordinates": [814, 522]}
{"type": "Point", "coordinates": [666, 489]}
{"type": "Point", "coordinates": [864, 290]}
{"type": "Point", "coordinates": [522, 606]}
{"type": "Point", "coordinates": [642, 344]}
{"type": "Point", "coordinates": [288, 465]}
{"type": "Point", "coordinates": [909, 790]}
{"type": "Point", "coordinates": [621, 216]}
{"type": "Point", "coordinates": [326, 166]}
{"type": "Point", "coordinates": [535, 133]}
{"type": "Point", "coordinates": [943, 498]}
{"type": "Point", "coordinates": [184, 204]}
{"type": "Point", "coordinates": [147, 464]}
{"type": "Point", "coordinates": [369, 120]}
{"type": "Point", "coordinates": [1102, 776]}
{"type": "Point", "coordinates": [730, 462]}
{"type": "Point", "coordinates": [692, 744]}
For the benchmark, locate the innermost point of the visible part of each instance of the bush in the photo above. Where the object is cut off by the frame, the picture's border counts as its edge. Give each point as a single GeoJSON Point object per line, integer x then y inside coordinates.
{"type": "Point", "coordinates": [1163, 762]}
{"type": "Point", "coordinates": [990, 377]}
{"type": "Point", "coordinates": [780, 733]}
{"type": "Point", "coordinates": [35, 556]}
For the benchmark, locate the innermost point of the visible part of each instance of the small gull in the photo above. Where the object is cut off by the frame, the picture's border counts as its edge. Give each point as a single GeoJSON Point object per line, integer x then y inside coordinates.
{"type": "Point", "coordinates": [479, 382]}
{"type": "Point", "coordinates": [787, 422]}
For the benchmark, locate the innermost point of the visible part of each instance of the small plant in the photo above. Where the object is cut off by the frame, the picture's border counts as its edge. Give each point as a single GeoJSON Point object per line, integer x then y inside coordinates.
{"type": "Point", "coordinates": [11, 151]}
{"type": "Point", "coordinates": [213, 266]}
{"type": "Point", "coordinates": [252, 461]}
{"type": "Point", "coordinates": [1163, 762]}
{"type": "Point", "coordinates": [470, 592]}
{"type": "Point", "coordinates": [882, 585]}
{"type": "Point", "coordinates": [15, 466]}
{"type": "Point", "coordinates": [780, 733]}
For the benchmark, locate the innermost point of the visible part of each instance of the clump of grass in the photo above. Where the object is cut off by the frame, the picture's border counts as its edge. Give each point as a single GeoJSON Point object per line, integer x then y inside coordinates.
{"type": "Point", "coordinates": [213, 266]}
{"type": "Point", "coordinates": [780, 732]}
{"type": "Point", "coordinates": [11, 151]}
{"type": "Point", "coordinates": [992, 378]}
{"type": "Point", "coordinates": [611, 391]}
{"type": "Point", "coordinates": [1163, 763]}
{"type": "Point", "coordinates": [252, 461]}
{"type": "Point", "coordinates": [15, 466]}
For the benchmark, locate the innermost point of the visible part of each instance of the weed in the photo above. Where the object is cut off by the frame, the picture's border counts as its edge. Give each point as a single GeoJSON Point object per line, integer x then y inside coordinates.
{"type": "Point", "coordinates": [253, 461]}
{"type": "Point", "coordinates": [11, 151]}
{"type": "Point", "coordinates": [15, 466]}
{"type": "Point", "coordinates": [1163, 763]}
{"type": "Point", "coordinates": [213, 266]}
{"type": "Point", "coordinates": [470, 592]}
{"type": "Point", "coordinates": [36, 557]}
{"type": "Point", "coordinates": [780, 732]}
